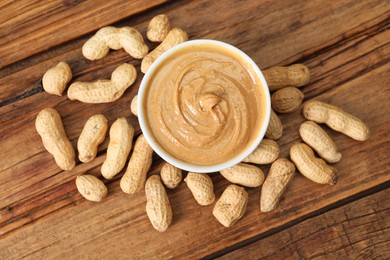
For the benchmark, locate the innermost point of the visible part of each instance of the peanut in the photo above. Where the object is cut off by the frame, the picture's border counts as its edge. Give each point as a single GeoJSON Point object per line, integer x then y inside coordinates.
{"type": "Point", "coordinates": [287, 100]}
{"type": "Point", "coordinates": [279, 176]}
{"type": "Point", "coordinates": [171, 176]}
{"type": "Point", "coordinates": [244, 174]}
{"type": "Point", "coordinates": [110, 37]}
{"type": "Point", "coordinates": [296, 75]}
{"type": "Point", "coordinates": [91, 188]}
{"type": "Point", "coordinates": [320, 141]}
{"type": "Point", "coordinates": [158, 208]}
{"type": "Point", "coordinates": [265, 153]}
{"type": "Point", "coordinates": [93, 134]}
{"type": "Point", "coordinates": [140, 161]}
{"type": "Point", "coordinates": [121, 141]}
{"type": "Point", "coordinates": [49, 126]}
{"type": "Point", "coordinates": [174, 37]}
{"type": "Point", "coordinates": [311, 167]}
{"type": "Point", "coordinates": [275, 127]}
{"type": "Point", "coordinates": [158, 28]}
{"type": "Point", "coordinates": [231, 206]}
{"type": "Point", "coordinates": [104, 91]}
{"type": "Point", "coordinates": [133, 105]}
{"type": "Point", "coordinates": [337, 119]}
{"type": "Point", "coordinates": [54, 81]}
{"type": "Point", "coordinates": [201, 187]}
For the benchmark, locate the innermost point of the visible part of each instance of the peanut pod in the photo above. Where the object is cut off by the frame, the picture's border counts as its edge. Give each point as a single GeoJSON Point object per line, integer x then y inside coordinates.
{"type": "Point", "coordinates": [231, 206]}
{"type": "Point", "coordinates": [311, 167]}
{"type": "Point", "coordinates": [320, 141]}
{"type": "Point", "coordinates": [158, 207]}
{"type": "Point", "coordinates": [337, 119]}
{"type": "Point", "coordinates": [49, 126]}
{"type": "Point", "coordinates": [279, 176]}
{"type": "Point", "coordinates": [244, 174]}
{"type": "Point", "coordinates": [140, 161]}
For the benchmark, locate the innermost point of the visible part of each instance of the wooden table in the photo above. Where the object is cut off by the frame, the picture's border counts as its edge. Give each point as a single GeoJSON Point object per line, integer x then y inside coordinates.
{"type": "Point", "coordinates": [346, 45]}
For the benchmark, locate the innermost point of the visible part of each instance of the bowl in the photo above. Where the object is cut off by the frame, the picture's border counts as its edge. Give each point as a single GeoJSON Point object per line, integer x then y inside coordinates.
{"type": "Point", "coordinates": [160, 150]}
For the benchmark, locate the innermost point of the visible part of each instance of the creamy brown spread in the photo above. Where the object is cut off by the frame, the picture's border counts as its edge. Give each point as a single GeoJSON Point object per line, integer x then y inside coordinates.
{"type": "Point", "coordinates": [204, 104]}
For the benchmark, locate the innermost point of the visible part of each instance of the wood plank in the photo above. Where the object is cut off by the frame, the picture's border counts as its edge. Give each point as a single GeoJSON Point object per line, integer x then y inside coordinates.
{"type": "Point", "coordinates": [266, 48]}
{"type": "Point", "coordinates": [359, 230]}
{"type": "Point", "coordinates": [41, 214]}
{"type": "Point", "coordinates": [28, 27]}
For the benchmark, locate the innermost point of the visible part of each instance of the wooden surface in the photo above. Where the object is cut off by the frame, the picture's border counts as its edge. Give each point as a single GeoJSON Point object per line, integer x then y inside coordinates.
{"type": "Point", "coordinates": [346, 45]}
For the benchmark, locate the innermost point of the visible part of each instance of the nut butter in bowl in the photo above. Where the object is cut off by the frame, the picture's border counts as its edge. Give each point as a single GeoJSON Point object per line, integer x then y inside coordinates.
{"type": "Point", "coordinates": [204, 106]}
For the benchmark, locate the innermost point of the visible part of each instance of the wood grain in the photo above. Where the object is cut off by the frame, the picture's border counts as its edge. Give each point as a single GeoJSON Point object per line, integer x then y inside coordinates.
{"type": "Point", "coordinates": [359, 230]}
{"type": "Point", "coordinates": [28, 27]}
{"type": "Point", "coordinates": [42, 215]}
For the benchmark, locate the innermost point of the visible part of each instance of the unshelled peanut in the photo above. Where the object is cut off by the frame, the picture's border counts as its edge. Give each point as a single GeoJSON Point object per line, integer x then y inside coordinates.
{"type": "Point", "coordinates": [121, 140]}
{"type": "Point", "coordinates": [244, 174]}
{"type": "Point", "coordinates": [158, 28]}
{"type": "Point", "coordinates": [267, 152]}
{"type": "Point", "coordinates": [320, 141]}
{"type": "Point", "coordinates": [158, 207]}
{"type": "Point", "coordinates": [311, 167]}
{"type": "Point", "coordinates": [287, 100]}
{"type": "Point", "coordinates": [140, 161]}
{"type": "Point", "coordinates": [174, 37]}
{"type": "Point", "coordinates": [93, 134]}
{"type": "Point", "coordinates": [275, 127]}
{"type": "Point", "coordinates": [133, 105]}
{"type": "Point", "coordinates": [279, 176]}
{"type": "Point", "coordinates": [201, 187]}
{"type": "Point", "coordinates": [91, 188]}
{"type": "Point", "coordinates": [171, 176]}
{"type": "Point", "coordinates": [296, 75]}
{"type": "Point", "coordinates": [54, 81]}
{"type": "Point", "coordinates": [49, 126]}
{"type": "Point", "coordinates": [337, 119]}
{"type": "Point", "coordinates": [110, 37]}
{"type": "Point", "coordinates": [104, 91]}
{"type": "Point", "coordinates": [231, 206]}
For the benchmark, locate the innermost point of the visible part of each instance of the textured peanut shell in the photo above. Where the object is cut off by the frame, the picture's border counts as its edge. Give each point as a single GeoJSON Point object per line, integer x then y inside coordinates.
{"type": "Point", "coordinates": [49, 126]}
{"type": "Point", "coordinates": [244, 174]}
{"type": "Point", "coordinates": [91, 188]}
{"type": "Point", "coordinates": [201, 187]}
{"type": "Point", "coordinates": [104, 91]}
{"type": "Point", "coordinates": [110, 37]}
{"type": "Point", "coordinates": [337, 119]}
{"type": "Point", "coordinates": [275, 127]}
{"type": "Point", "coordinates": [313, 135]}
{"type": "Point", "coordinates": [311, 167]}
{"type": "Point", "coordinates": [279, 176]}
{"type": "Point", "coordinates": [140, 161]}
{"type": "Point", "coordinates": [54, 81]}
{"type": "Point", "coordinates": [171, 176]}
{"type": "Point", "coordinates": [133, 105]}
{"type": "Point", "coordinates": [231, 206]}
{"type": "Point", "coordinates": [296, 75]}
{"type": "Point", "coordinates": [174, 37]}
{"type": "Point", "coordinates": [93, 134]}
{"type": "Point", "coordinates": [121, 140]}
{"type": "Point", "coordinates": [158, 28]}
{"type": "Point", "coordinates": [287, 100]}
{"type": "Point", "coordinates": [267, 152]}
{"type": "Point", "coordinates": [158, 208]}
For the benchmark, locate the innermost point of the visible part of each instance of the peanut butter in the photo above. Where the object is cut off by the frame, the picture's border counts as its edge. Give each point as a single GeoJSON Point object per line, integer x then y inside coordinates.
{"type": "Point", "coordinates": [204, 104]}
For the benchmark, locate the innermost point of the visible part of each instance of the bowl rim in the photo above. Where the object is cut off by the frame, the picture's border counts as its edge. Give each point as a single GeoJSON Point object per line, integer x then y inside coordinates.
{"type": "Point", "coordinates": [165, 155]}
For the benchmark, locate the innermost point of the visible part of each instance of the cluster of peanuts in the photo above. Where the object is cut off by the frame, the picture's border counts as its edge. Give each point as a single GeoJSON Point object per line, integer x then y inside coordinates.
{"type": "Point", "coordinates": [231, 205]}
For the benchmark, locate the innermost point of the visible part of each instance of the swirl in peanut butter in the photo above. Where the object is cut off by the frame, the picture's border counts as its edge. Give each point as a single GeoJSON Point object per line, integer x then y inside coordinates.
{"type": "Point", "coordinates": [204, 105]}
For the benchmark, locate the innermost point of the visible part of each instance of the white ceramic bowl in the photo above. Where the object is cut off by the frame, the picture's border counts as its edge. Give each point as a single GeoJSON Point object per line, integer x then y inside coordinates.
{"type": "Point", "coordinates": [166, 155]}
